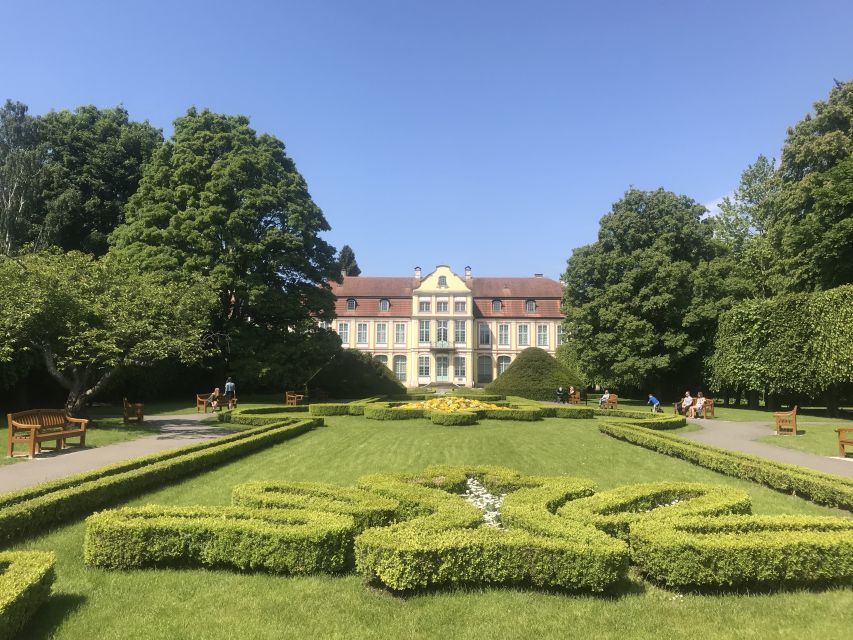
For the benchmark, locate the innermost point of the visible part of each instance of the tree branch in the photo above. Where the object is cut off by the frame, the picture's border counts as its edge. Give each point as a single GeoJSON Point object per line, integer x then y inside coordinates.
{"type": "Point", "coordinates": [50, 363]}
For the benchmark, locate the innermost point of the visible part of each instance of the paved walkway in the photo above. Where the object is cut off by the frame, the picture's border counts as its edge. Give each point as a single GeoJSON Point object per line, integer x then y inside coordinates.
{"type": "Point", "coordinates": [739, 436]}
{"type": "Point", "coordinates": [175, 431]}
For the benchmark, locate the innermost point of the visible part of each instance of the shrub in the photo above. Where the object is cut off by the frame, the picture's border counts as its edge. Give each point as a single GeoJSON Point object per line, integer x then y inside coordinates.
{"type": "Point", "coordinates": [50, 503]}
{"type": "Point", "coordinates": [533, 374]}
{"type": "Point", "coordinates": [735, 551]}
{"type": "Point", "coordinates": [293, 541]}
{"type": "Point", "coordinates": [25, 581]}
{"type": "Point", "coordinates": [614, 511]}
{"type": "Point", "coordinates": [574, 413]}
{"type": "Point", "coordinates": [656, 421]}
{"type": "Point", "coordinates": [354, 374]}
{"type": "Point", "coordinates": [456, 419]}
{"type": "Point", "coordinates": [330, 409]}
{"type": "Point", "coordinates": [261, 416]}
{"type": "Point", "coordinates": [818, 487]}
{"type": "Point", "coordinates": [366, 509]}
{"type": "Point", "coordinates": [482, 397]}
{"type": "Point", "coordinates": [384, 412]}
{"type": "Point", "coordinates": [512, 414]}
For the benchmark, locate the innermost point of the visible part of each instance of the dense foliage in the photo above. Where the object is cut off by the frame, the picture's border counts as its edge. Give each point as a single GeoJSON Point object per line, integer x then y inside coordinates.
{"type": "Point", "coordinates": [534, 374]}
{"type": "Point", "coordinates": [347, 262]}
{"type": "Point", "coordinates": [353, 374]}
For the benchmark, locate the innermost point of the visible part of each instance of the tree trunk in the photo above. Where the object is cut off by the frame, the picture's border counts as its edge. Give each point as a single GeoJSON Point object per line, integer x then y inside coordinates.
{"type": "Point", "coordinates": [831, 396]}
{"type": "Point", "coordinates": [753, 399]}
{"type": "Point", "coordinates": [77, 382]}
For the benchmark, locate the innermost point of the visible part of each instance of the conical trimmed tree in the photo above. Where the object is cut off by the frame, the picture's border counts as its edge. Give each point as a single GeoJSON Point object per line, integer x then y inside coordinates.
{"type": "Point", "coordinates": [533, 374]}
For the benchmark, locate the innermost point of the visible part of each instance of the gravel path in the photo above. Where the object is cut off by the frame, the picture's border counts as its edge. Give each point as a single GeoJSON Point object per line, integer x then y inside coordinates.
{"type": "Point", "coordinates": [739, 436]}
{"type": "Point", "coordinates": [175, 431]}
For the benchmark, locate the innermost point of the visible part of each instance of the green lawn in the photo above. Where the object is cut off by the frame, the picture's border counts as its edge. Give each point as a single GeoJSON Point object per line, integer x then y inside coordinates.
{"type": "Point", "coordinates": [196, 604]}
{"type": "Point", "coordinates": [812, 436]}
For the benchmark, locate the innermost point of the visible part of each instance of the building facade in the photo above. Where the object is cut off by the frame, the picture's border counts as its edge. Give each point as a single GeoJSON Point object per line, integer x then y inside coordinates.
{"type": "Point", "coordinates": [443, 328]}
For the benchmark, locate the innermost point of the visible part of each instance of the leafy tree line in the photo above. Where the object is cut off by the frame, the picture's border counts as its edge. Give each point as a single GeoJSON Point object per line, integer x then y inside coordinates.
{"type": "Point", "coordinates": [643, 302]}
{"type": "Point", "coordinates": [120, 250]}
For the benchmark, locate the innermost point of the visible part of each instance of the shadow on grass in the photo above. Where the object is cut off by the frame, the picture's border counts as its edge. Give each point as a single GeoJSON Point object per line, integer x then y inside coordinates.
{"type": "Point", "coordinates": [58, 608]}
{"type": "Point", "coordinates": [757, 588]}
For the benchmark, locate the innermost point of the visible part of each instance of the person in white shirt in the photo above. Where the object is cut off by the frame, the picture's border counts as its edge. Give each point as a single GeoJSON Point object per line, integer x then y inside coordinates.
{"type": "Point", "coordinates": [686, 403]}
{"type": "Point", "coordinates": [604, 398]}
{"type": "Point", "coordinates": [697, 407]}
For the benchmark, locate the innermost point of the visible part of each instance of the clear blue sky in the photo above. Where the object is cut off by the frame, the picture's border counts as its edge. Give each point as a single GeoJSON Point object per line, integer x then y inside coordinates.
{"type": "Point", "coordinates": [482, 132]}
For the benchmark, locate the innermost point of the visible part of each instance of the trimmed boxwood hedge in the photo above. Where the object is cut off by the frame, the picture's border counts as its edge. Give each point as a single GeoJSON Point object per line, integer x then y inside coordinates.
{"type": "Point", "coordinates": [330, 409]}
{"type": "Point", "coordinates": [822, 488]}
{"type": "Point", "coordinates": [260, 416]}
{"type": "Point", "coordinates": [381, 411]}
{"type": "Point", "coordinates": [366, 509]}
{"type": "Point", "coordinates": [51, 503]}
{"type": "Point", "coordinates": [459, 418]}
{"type": "Point", "coordinates": [735, 551]}
{"type": "Point", "coordinates": [292, 541]}
{"type": "Point", "coordinates": [613, 511]}
{"type": "Point", "coordinates": [25, 581]}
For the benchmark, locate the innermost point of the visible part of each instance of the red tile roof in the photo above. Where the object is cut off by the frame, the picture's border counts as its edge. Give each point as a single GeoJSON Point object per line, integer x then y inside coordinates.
{"type": "Point", "coordinates": [516, 288]}
{"type": "Point", "coordinates": [374, 287]}
{"type": "Point", "coordinates": [515, 308]}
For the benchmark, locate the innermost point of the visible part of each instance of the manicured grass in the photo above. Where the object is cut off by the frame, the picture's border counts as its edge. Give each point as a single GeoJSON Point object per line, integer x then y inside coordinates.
{"type": "Point", "coordinates": [189, 604]}
{"type": "Point", "coordinates": [812, 437]}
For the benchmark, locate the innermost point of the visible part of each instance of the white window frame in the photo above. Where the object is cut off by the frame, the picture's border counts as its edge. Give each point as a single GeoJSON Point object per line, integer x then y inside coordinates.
{"type": "Point", "coordinates": [343, 332]}
{"type": "Point", "coordinates": [559, 333]}
{"type": "Point", "coordinates": [497, 306]}
{"type": "Point", "coordinates": [381, 358]}
{"type": "Point", "coordinates": [424, 305]}
{"type": "Point", "coordinates": [503, 334]}
{"type": "Point", "coordinates": [383, 339]}
{"type": "Point", "coordinates": [423, 365]}
{"type": "Point", "coordinates": [400, 372]}
{"type": "Point", "coordinates": [540, 334]}
{"type": "Point", "coordinates": [441, 306]}
{"type": "Point", "coordinates": [442, 282]}
{"type": "Point", "coordinates": [491, 374]}
{"type": "Point", "coordinates": [361, 331]}
{"type": "Point", "coordinates": [460, 306]}
{"type": "Point", "coordinates": [459, 372]}
{"type": "Point", "coordinates": [442, 326]}
{"type": "Point", "coordinates": [424, 324]}
{"type": "Point", "coordinates": [351, 304]}
{"type": "Point", "coordinates": [399, 329]}
{"type": "Point", "coordinates": [460, 331]}
{"type": "Point", "coordinates": [384, 304]}
{"type": "Point", "coordinates": [488, 331]}
{"type": "Point", "coordinates": [530, 306]}
{"type": "Point", "coordinates": [505, 359]}
{"type": "Point", "coordinates": [525, 341]}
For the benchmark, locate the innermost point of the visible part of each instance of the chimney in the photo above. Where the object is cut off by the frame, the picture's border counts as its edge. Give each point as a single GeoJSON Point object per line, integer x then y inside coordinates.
{"type": "Point", "coordinates": [537, 275]}
{"type": "Point", "coordinates": [418, 273]}
{"type": "Point", "coordinates": [467, 273]}
{"type": "Point", "coordinates": [343, 273]}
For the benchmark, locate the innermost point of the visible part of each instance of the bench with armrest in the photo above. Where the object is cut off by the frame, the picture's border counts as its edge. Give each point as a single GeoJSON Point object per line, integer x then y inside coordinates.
{"type": "Point", "coordinates": [786, 422]}
{"type": "Point", "coordinates": [292, 398]}
{"type": "Point", "coordinates": [575, 398]}
{"type": "Point", "coordinates": [36, 426]}
{"type": "Point", "coordinates": [845, 439]}
{"type": "Point", "coordinates": [201, 403]}
{"type": "Point", "coordinates": [133, 411]}
{"type": "Point", "coordinates": [611, 403]}
{"type": "Point", "coordinates": [708, 409]}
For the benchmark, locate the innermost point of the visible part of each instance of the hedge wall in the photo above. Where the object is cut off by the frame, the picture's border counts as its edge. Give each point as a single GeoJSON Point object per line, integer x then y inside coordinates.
{"type": "Point", "coordinates": [292, 541]}
{"type": "Point", "coordinates": [51, 503]}
{"type": "Point", "coordinates": [822, 488]}
{"type": "Point", "coordinates": [261, 416]}
{"type": "Point", "coordinates": [25, 581]}
{"type": "Point", "coordinates": [534, 374]}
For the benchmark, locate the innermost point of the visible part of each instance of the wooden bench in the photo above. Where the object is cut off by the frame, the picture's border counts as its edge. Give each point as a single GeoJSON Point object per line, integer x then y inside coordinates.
{"type": "Point", "coordinates": [708, 409]}
{"type": "Point", "coordinates": [133, 411]}
{"type": "Point", "coordinates": [41, 425]}
{"type": "Point", "coordinates": [845, 439]}
{"type": "Point", "coordinates": [201, 402]}
{"type": "Point", "coordinates": [292, 398]}
{"type": "Point", "coordinates": [611, 403]}
{"type": "Point", "coordinates": [786, 421]}
{"type": "Point", "coordinates": [575, 398]}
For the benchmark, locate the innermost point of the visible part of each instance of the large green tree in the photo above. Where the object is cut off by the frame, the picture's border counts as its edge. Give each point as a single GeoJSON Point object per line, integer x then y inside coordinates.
{"type": "Point", "coordinates": [219, 200]}
{"type": "Point", "coordinates": [811, 222]}
{"type": "Point", "coordinates": [87, 319]}
{"type": "Point", "coordinates": [641, 301]}
{"type": "Point", "coordinates": [347, 262]}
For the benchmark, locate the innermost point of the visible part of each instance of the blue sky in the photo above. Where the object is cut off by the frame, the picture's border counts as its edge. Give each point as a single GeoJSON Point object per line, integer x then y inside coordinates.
{"type": "Point", "coordinates": [488, 133]}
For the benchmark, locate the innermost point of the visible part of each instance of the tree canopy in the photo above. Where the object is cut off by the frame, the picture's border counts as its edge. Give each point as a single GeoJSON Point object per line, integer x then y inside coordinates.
{"type": "Point", "coordinates": [347, 262]}
{"type": "Point", "coordinates": [87, 319]}
{"type": "Point", "coordinates": [220, 201]}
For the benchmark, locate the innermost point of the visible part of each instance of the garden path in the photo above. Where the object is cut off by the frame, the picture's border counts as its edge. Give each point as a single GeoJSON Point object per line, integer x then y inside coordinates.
{"type": "Point", "coordinates": [740, 436]}
{"type": "Point", "coordinates": [174, 431]}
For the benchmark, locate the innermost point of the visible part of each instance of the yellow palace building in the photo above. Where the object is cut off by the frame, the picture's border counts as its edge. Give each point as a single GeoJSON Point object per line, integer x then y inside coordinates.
{"type": "Point", "coordinates": [443, 328]}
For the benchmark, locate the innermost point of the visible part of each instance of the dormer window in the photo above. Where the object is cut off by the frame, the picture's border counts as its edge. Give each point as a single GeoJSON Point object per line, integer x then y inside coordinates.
{"type": "Point", "coordinates": [384, 304]}
{"type": "Point", "coordinates": [442, 281]}
{"type": "Point", "coordinates": [496, 305]}
{"type": "Point", "coordinates": [531, 306]}
{"type": "Point", "coordinates": [350, 304]}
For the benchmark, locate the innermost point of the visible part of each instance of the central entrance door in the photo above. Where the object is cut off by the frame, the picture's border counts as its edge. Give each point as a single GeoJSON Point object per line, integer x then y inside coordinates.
{"type": "Point", "coordinates": [441, 363]}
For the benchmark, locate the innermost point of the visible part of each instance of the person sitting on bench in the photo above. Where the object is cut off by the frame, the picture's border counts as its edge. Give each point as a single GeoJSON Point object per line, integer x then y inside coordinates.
{"type": "Point", "coordinates": [604, 398]}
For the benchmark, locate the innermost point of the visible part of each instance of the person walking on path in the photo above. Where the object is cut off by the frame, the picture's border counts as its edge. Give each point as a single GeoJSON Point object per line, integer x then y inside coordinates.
{"type": "Point", "coordinates": [230, 392]}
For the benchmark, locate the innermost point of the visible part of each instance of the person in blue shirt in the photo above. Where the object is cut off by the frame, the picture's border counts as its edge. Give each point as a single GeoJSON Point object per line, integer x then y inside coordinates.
{"type": "Point", "coordinates": [654, 402]}
{"type": "Point", "coordinates": [230, 392]}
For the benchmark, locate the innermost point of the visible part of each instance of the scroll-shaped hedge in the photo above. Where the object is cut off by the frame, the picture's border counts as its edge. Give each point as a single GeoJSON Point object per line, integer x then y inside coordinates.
{"type": "Point", "coordinates": [25, 581]}
{"type": "Point", "coordinates": [292, 541]}
{"type": "Point", "coordinates": [366, 509]}
{"type": "Point", "coordinates": [445, 545]}
{"type": "Point", "coordinates": [735, 550]}
{"type": "Point", "coordinates": [613, 511]}
{"type": "Point", "coordinates": [260, 416]}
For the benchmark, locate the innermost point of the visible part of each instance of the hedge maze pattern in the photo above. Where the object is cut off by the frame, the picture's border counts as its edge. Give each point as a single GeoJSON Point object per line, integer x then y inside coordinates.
{"type": "Point", "coordinates": [25, 581]}
{"type": "Point", "coordinates": [409, 532]}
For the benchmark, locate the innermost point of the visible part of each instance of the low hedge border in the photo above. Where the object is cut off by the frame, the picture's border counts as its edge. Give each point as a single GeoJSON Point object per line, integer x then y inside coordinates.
{"type": "Point", "coordinates": [736, 551]}
{"type": "Point", "coordinates": [259, 417]}
{"type": "Point", "coordinates": [453, 419]}
{"type": "Point", "coordinates": [329, 409]}
{"type": "Point", "coordinates": [366, 509]}
{"type": "Point", "coordinates": [42, 506]}
{"type": "Point", "coordinates": [381, 411]}
{"type": "Point", "coordinates": [25, 581]}
{"type": "Point", "coordinates": [483, 397]}
{"type": "Point", "coordinates": [822, 488]}
{"type": "Point", "coordinates": [613, 511]}
{"type": "Point", "coordinates": [292, 541]}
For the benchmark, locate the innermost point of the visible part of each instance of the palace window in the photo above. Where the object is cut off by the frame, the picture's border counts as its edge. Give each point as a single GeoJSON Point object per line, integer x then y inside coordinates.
{"type": "Point", "coordinates": [485, 335]}
{"type": "Point", "coordinates": [350, 304]}
{"type": "Point", "coordinates": [441, 306]}
{"type": "Point", "coordinates": [541, 335]}
{"type": "Point", "coordinates": [381, 359]}
{"type": "Point", "coordinates": [459, 331]}
{"type": "Point", "coordinates": [361, 333]}
{"type": "Point", "coordinates": [496, 305]}
{"type": "Point", "coordinates": [442, 281]}
{"type": "Point", "coordinates": [399, 333]}
{"type": "Point", "coordinates": [441, 331]}
{"type": "Point", "coordinates": [423, 331]}
{"type": "Point", "coordinates": [423, 366]}
{"type": "Point", "coordinates": [559, 334]}
{"type": "Point", "coordinates": [400, 368]}
{"type": "Point", "coordinates": [459, 306]}
{"type": "Point", "coordinates": [503, 335]}
{"type": "Point", "coordinates": [381, 333]}
{"type": "Point", "coordinates": [503, 364]}
{"type": "Point", "coordinates": [424, 306]}
{"type": "Point", "coordinates": [523, 335]}
{"type": "Point", "coordinates": [384, 304]}
{"type": "Point", "coordinates": [343, 332]}
{"type": "Point", "coordinates": [459, 366]}
{"type": "Point", "coordinates": [484, 369]}
{"type": "Point", "coordinates": [530, 306]}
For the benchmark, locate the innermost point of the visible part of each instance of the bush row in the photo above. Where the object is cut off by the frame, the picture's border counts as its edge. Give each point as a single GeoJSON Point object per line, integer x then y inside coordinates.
{"type": "Point", "coordinates": [261, 416]}
{"type": "Point", "coordinates": [822, 488]}
{"type": "Point", "coordinates": [366, 509]}
{"type": "Point", "coordinates": [483, 397]}
{"type": "Point", "coordinates": [56, 502]}
{"type": "Point", "coordinates": [614, 511]}
{"type": "Point", "coordinates": [292, 541]}
{"type": "Point", "coordinates": [456, 419]}
{"type": "Point", "coordinates": [736, 551]}
{"type": "Point", "coordinates": [381, 411]}
{"type": "Point", "coordinates": [25, 581]}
